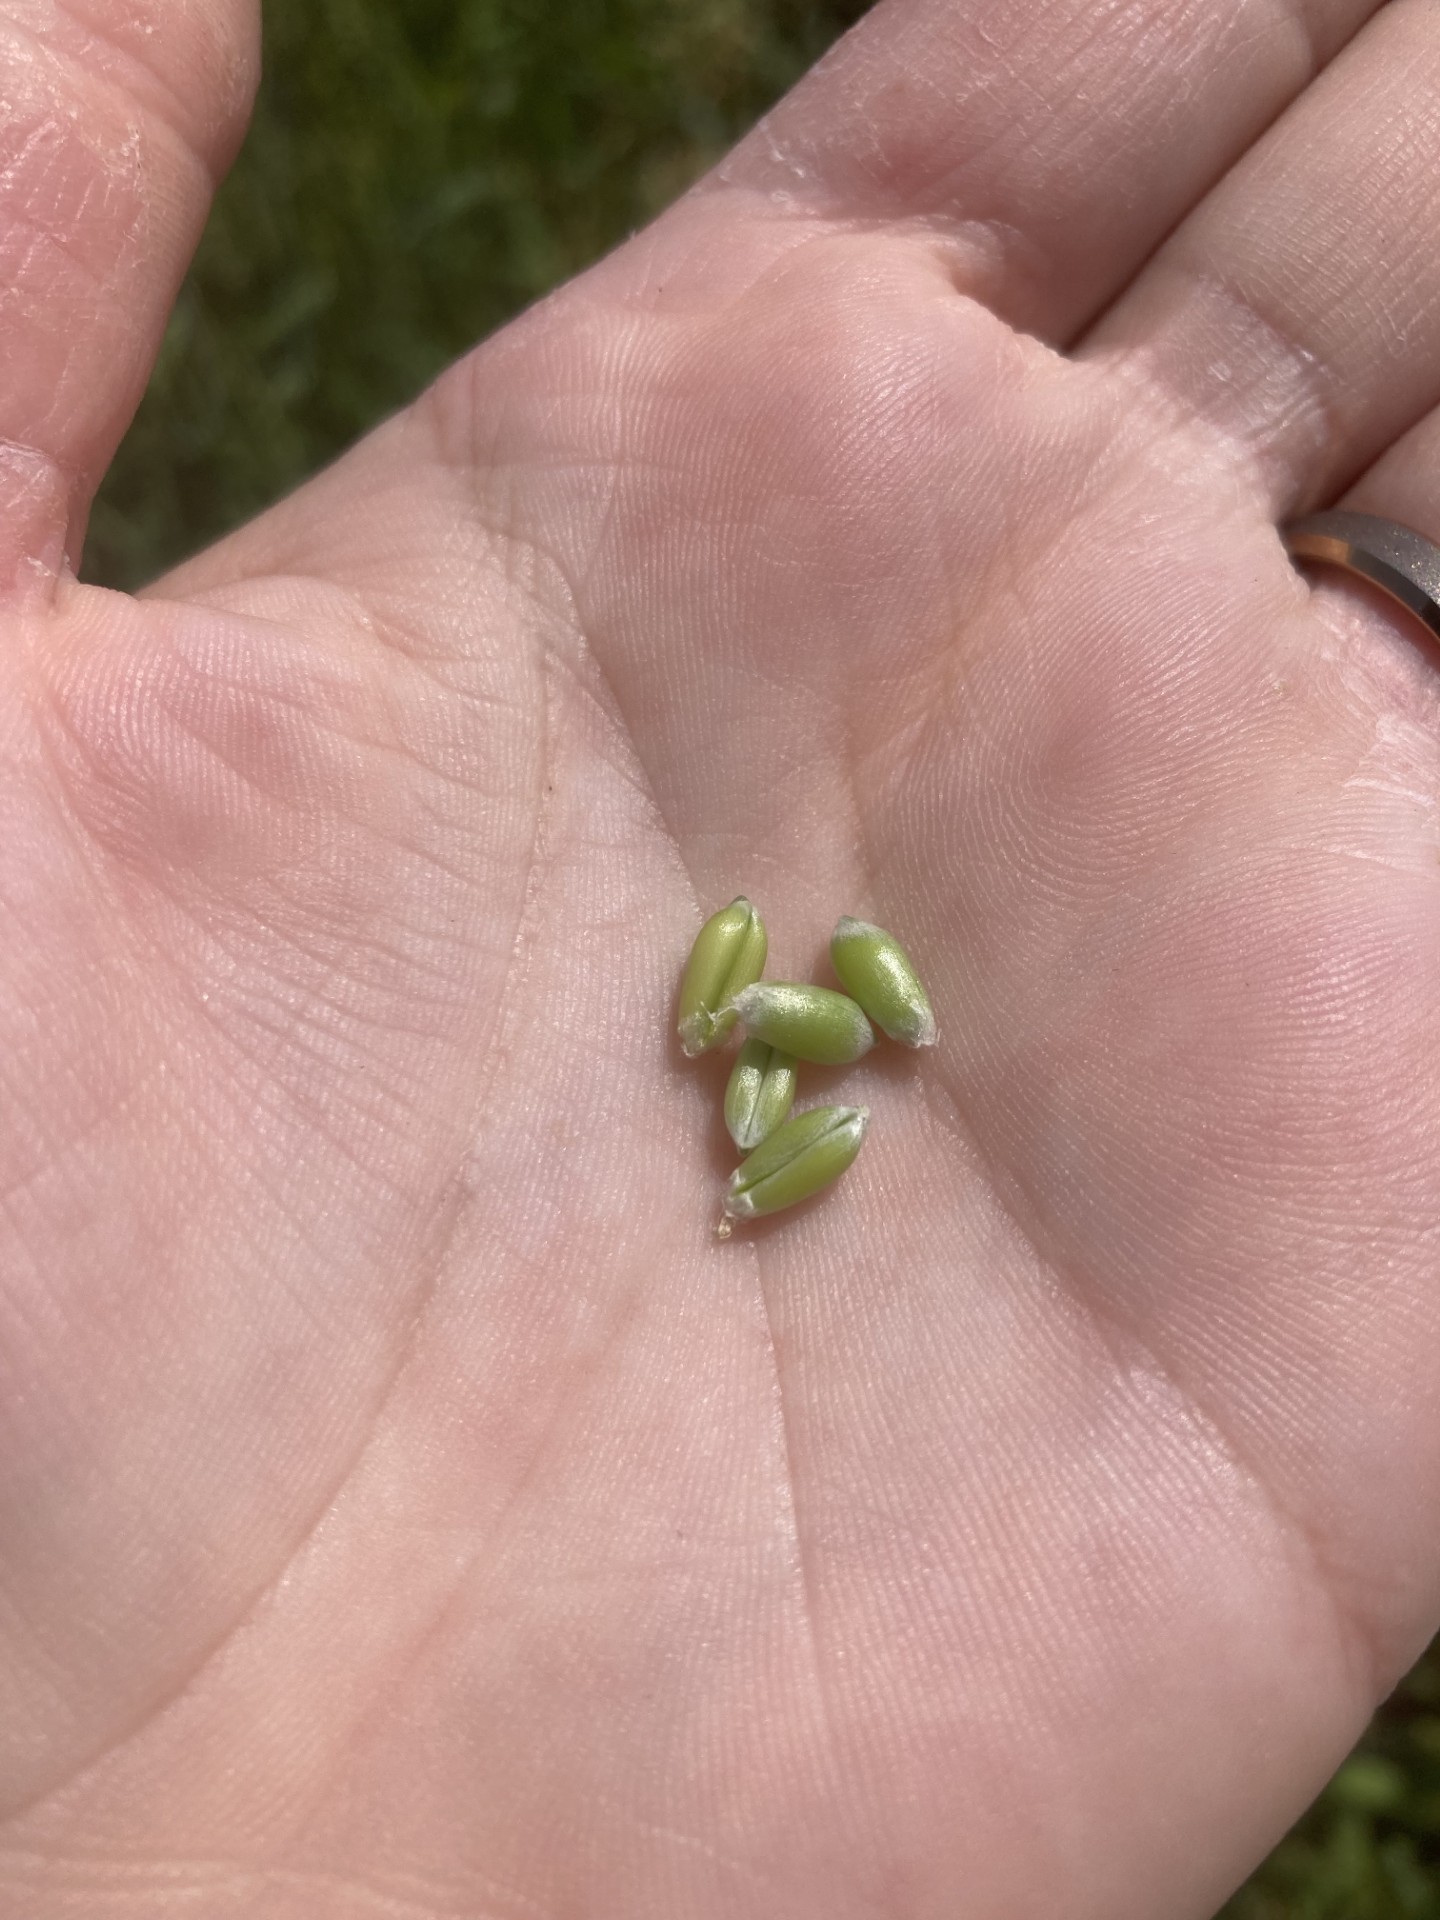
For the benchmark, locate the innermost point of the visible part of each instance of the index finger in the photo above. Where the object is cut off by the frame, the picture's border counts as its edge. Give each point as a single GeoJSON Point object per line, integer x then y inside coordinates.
{"type": "Point", "coordinates": [1057, 142]}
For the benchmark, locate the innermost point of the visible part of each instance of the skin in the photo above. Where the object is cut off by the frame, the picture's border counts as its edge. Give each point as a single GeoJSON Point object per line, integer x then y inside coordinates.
{"type": "Point", "coordinates": [408, 1509]}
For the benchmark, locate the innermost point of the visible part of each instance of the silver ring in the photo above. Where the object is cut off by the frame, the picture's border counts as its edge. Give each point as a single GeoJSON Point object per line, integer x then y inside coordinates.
{"type": "Point", "coordinates": [1396, 559]}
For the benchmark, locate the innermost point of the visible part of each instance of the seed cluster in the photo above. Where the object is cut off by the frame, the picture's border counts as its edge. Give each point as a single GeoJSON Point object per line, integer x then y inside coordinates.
{"type": "Point", "coordinates": [785, 1021]}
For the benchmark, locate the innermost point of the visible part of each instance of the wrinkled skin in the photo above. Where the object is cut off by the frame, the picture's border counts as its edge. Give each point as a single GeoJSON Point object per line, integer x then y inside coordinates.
{"type": "Point", "coordinates": [408, 1507]}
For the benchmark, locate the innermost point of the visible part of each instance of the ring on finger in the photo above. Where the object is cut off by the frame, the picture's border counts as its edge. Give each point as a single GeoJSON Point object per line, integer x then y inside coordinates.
{"type": "Point", "coordinates": [1401, 562]}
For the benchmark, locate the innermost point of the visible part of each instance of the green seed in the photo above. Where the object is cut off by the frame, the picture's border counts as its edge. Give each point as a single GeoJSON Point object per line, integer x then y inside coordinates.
{"type": "Point", "coordinates": [760, 1094]}
{"type": "Point", "coordinates": [798, 1159]}
{"type": "Point", "coordinates": [728, 954]}
{"type": "Point", "coordinates": [813, 1023]}
{"type": "Point", "coordinates": [873, 966]}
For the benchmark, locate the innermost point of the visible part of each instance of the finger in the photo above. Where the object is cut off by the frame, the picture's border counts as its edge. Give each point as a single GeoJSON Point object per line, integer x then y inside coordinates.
{"type": "Point", "coordinates": [1058, 144]}
{"type": "Point", "coordinates": [1404, 485]}
{"type": "Point", "coordinates": [117, 118]}
{"type": "Point", "coordinates": [1298, 308]}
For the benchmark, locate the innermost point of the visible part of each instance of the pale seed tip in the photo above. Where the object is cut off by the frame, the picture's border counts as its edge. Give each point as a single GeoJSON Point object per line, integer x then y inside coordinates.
{"type": "Point", "coordinates": [691, 1042]}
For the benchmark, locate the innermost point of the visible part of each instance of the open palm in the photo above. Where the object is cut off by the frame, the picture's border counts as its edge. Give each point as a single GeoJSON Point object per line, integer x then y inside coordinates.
{"type": "Point", "coordinates": [408, 1507]}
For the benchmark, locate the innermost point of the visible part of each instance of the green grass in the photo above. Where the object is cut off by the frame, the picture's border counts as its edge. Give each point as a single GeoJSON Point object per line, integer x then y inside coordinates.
{"type": "Point", "coordinates": [416, 173]}
{"type": "Point", "coordinates": [1370, 1847]}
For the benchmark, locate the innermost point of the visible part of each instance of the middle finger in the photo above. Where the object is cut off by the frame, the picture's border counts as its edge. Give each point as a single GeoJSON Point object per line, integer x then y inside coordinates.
{"type": "Point", "coordinates": [1297, 309]}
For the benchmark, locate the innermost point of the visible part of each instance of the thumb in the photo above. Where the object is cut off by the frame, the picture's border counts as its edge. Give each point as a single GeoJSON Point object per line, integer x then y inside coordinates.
{"type": "Point", "coordinates": [118, 118]}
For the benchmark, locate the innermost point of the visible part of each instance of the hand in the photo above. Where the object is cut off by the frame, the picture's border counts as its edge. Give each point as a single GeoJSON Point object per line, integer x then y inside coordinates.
{"type": "Point", "coordinates": [408, 1507]}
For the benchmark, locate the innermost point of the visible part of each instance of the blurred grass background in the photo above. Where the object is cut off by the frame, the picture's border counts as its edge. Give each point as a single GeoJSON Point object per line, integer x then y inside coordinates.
{"type": "Point", "coordinates": [415, 173]}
